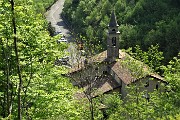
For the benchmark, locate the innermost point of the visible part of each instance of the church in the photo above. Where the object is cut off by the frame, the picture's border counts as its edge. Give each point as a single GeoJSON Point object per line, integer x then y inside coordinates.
{"type": "Point", "coordinates": [113, 70]}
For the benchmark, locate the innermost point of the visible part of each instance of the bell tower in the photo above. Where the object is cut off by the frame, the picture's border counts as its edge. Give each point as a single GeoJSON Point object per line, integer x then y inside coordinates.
{"type": "Point", "coordinates": [113, 39]}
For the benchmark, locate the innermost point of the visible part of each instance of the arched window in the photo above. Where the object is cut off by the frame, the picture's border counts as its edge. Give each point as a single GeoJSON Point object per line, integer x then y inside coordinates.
{"type": "Point", "coordinates": [114, 41]}
{"type": "Point", "coordinates": [113, 30]}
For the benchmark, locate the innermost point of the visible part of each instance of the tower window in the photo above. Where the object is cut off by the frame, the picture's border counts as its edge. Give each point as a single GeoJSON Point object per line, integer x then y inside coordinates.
{"type": "Point", "coordinates": [113, 30]}
{"type": "Point", "coordinates": [114, 41]}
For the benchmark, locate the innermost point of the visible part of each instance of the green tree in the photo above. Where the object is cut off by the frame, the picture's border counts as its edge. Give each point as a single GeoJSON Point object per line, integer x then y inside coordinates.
{"type": "Point", "coordinates": [30, 82]}
{"type": "Point", "coordinates": [142, 22]}
{"type": "Point", "coordinates": [153, 58]}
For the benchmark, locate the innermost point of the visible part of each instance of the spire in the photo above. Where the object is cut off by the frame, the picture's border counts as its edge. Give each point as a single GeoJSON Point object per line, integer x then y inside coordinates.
{"type": "Point", "coordinates": [113, 39]}
{"type": "Point", "coordinates": [113, 22]}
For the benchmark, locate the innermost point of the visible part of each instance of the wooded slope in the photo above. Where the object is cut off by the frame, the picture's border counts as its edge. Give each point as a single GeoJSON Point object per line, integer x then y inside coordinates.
{"type": "Point", "coordinates": [142, 22]}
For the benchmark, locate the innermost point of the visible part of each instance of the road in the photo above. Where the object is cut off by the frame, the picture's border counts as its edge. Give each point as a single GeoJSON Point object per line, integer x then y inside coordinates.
{"type": "Point", "coordinates": [53, 15]}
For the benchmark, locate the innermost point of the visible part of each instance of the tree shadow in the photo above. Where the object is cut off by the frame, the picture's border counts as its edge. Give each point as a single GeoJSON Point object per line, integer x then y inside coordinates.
{"type": "Point", "coordinates": [63, 25]}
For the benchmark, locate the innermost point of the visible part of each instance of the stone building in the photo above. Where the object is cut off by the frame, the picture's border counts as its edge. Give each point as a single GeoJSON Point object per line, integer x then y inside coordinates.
{"type": "Point", "coordinates": [113, 70]}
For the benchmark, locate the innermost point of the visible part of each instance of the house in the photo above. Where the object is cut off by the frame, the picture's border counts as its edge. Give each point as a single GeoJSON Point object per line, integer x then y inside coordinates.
{"type": "Point", "coordinates": [113, 70]}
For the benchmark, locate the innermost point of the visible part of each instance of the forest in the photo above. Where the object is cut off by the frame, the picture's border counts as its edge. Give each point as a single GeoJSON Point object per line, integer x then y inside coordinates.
{"type": "Point", "coordinates": [33, 88]}
{"type": "Point", "coordinates": [141, 22]}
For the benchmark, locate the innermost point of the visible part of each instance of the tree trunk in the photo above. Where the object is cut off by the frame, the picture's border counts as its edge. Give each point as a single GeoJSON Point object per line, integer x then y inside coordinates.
{"type": "Point", "coordinates": [6, 71]}
{"type": "Point", "coordinates": [91, 106]}
{"type": "Point", "coordinates": [92, 111]}
{"type": "Point", "coordinates": [7, 79]}
{"type": "Point", "coordinates": [17, 60]}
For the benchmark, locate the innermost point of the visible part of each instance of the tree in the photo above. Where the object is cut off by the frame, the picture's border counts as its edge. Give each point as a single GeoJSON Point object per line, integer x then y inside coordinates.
{"type": "Point", "coordinates": [142, 22]}
{"type": "Point", "coordinates": [29, 79]}
{"type": "Point", "coordinates": [171, 73]}
{"type": "Point", "coordinates": [155, 105]}
{"type": "Point", "coordinates": [153, 58]}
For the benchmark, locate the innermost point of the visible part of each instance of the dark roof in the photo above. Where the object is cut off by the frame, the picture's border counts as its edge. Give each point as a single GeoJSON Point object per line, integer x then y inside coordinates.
{"type": "Point", "coordinates": [122, 73]}
{"type": "Point", "coordinates": [103, 84]}
{"type": "Point", "coordinates": [124, 70]}
{"type": "Point", "coordinates": [113, 22]}
{"type": "Point", "coordinates": [128, 76]}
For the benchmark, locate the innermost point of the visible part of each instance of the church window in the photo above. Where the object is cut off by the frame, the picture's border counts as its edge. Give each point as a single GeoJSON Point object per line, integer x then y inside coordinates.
{"type": "Point", "coordinates": [105, 72]}
{"type": "Point", "coordinates": [114, 41]}
{"type": "Point", "coordinates": [146, 84]}
{"type": "Point", "coordinates": [113, 30]}
{"type": "Point", "coordinates": [157, 86]}
{"type": "Point", "coordinates": [96, 68]}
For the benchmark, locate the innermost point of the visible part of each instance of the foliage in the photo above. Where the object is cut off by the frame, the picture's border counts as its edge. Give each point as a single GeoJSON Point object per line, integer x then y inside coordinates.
{"type": "Point", "coordinates": [42, 5]}
{"type": "Point", "coordinates": [160, 105]}
{"type": "Point", "coordinates": [172, 73]}
{"type": "Point", "coordinates": [153, 57]}
{"type": "Point", "coordinates": [45, 94]}
{"type": "Point", "coordinates": [142, 22]}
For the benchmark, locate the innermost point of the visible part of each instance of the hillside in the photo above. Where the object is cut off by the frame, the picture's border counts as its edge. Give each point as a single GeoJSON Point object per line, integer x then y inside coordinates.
{"type": "Point", "coordinates": [34, 87]}
{"type": "Point", "coordinates": [142, 22]}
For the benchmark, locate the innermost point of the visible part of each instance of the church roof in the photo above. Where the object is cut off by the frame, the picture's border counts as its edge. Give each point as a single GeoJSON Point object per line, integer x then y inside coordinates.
{"type": "Point", "coordinates": [103, 84]}
{"type": "Point", "coordinates": [98, 58]}
{"type": "Point", "coordinates": [113, 22]}
{"type": "Point", "coordinates": [127, 75]}
{"type": "Point", "coordinates": [122, 70]}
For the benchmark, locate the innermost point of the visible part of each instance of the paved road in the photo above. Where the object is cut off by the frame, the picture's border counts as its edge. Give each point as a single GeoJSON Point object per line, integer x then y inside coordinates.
{"type": "Point", "coordinates": [53, 15]}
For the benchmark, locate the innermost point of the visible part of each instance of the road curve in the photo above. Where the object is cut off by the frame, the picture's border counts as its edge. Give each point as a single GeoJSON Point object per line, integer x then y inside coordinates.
{"type": "Point", "coordinates": [53, 15]}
